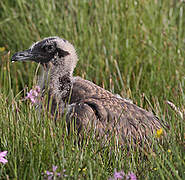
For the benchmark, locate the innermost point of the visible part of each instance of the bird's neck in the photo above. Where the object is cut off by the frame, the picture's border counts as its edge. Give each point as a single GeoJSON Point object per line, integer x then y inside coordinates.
{"type": "Point", "coordinates": [58, 83]}
{"type": "Point", "coordinates": [60, 86]}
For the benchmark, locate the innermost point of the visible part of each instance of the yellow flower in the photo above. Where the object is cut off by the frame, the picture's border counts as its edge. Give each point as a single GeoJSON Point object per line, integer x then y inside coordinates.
{"type": "Point", "coordinates": [169, 151]}
{"type": "Point", "coordinates": [84, 169]}
{"type": "Point", "coordinates": [159, 133]}
{"type": "Point", "coordinates": [155, 169]}
{"type": "Point", "coordinates": [2, 49]}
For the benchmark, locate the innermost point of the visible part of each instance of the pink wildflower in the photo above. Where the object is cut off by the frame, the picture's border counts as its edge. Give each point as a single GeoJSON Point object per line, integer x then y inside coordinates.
{"type": "Point", "coordinates": [33, 95]}
{"type": "Point", "coordinates": [2, 155]}
{"type": "Point", "coordinates": [131, 176]}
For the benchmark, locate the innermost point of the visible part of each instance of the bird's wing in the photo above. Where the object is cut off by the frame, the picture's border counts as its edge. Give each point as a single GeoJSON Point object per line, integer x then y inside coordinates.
{"type": "Point", "coordinates": [93, 104]}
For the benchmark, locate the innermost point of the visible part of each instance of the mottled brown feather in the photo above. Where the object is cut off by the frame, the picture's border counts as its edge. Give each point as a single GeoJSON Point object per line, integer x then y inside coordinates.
{"type": "Point", "coordinates": [93, 105]}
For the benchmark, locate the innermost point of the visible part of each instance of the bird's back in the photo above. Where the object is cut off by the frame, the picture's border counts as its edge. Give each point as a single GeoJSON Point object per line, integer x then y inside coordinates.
{"type": "Point", "coordinates": [91, 104]}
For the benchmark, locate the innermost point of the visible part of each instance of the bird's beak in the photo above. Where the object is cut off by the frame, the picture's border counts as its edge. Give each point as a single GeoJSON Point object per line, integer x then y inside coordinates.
{"type": "Point", "coordinates": [22, 56]}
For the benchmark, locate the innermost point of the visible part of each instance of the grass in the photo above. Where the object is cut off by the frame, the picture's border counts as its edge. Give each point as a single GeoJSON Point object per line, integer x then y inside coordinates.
{"type": "Point", "coordinates": [132, 48]}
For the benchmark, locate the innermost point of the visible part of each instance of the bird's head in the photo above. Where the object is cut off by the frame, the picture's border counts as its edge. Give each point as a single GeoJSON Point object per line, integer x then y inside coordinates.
{"type": "Point", "coordinates": [50, 52]}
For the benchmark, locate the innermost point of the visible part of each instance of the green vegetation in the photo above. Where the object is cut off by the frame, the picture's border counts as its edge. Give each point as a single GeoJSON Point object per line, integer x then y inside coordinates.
{"type": "Point", "coordinates": [135, 48]}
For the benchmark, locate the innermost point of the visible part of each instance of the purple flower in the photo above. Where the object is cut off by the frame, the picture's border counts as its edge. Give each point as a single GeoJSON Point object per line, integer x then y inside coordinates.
{"type": "Point", "coordinates": [119, 175]}
{"type": "Point", "coordinates": [122, 175]}
{"type": "Point", "coordinates": [2, 155]}
{"type": "Point", "coordinates": [33, 94]}
{"type": "Point", "coordinates": [131, 176]}
{"type": "Point", "coordinates": [53, 173]}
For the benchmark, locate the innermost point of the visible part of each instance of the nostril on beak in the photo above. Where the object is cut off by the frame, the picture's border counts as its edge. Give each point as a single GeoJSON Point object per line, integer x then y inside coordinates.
{"type": "Point", "coordinates": [22, 54]}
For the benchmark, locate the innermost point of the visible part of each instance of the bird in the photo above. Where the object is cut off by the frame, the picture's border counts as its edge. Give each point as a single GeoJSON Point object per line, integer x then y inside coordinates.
{"type": "Point", "coordinates": [84, 104]}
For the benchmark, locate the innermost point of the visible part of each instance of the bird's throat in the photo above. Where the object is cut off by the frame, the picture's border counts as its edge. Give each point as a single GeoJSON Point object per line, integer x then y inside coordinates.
{"type": "Point", "coordinates": [60, 86]}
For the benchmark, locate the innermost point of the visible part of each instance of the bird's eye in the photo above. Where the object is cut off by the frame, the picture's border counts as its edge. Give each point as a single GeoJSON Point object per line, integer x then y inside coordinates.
{"type": "Point", "coordinates": [49, 48]}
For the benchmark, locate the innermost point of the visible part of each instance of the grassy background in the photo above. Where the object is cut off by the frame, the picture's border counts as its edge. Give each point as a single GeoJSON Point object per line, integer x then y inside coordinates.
{"type": "Point", "coordinates": [131, 47]}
